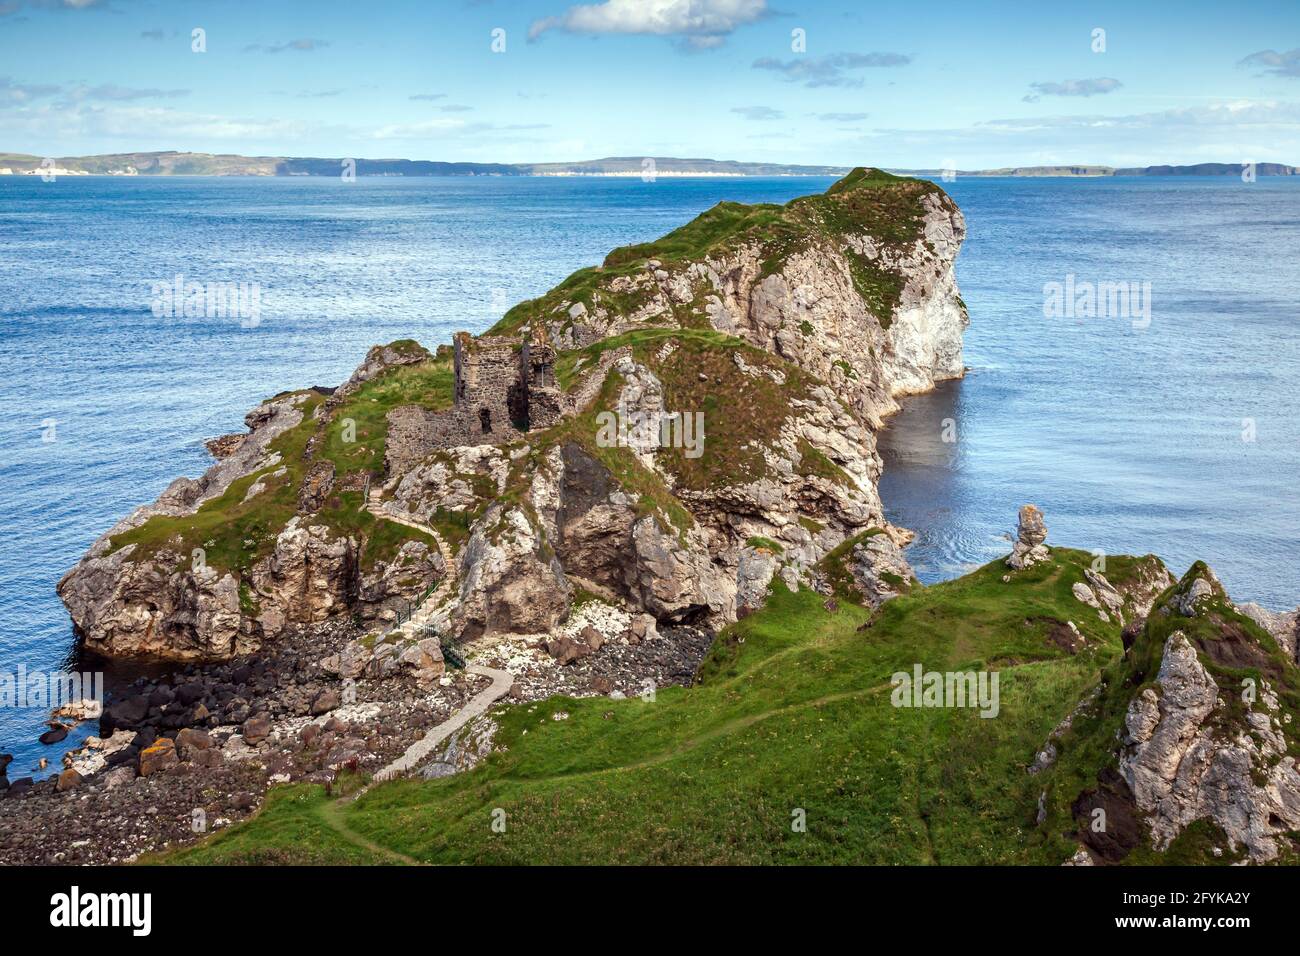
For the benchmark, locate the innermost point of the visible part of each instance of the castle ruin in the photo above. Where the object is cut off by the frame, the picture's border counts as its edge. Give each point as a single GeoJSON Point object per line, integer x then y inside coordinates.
{"type": "Point", "coordinates": [504, 387]}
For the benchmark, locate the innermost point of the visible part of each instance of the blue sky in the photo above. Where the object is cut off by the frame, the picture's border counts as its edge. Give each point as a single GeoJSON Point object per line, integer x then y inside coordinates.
{"type": "Point", "coordinates": [929, 84]}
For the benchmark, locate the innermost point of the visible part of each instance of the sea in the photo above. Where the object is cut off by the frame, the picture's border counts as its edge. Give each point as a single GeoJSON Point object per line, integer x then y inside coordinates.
{"type": "Point", "coordinates": [1162, 420]}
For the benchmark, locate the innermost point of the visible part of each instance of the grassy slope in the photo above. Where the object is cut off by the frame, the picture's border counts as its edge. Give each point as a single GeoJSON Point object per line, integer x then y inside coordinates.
{"type": "Point", "coordinates": [792, 711]}
{"type": "Point", "coordinates": [867, 201]}
{"type": "Point", "coordinates": [236, 533]}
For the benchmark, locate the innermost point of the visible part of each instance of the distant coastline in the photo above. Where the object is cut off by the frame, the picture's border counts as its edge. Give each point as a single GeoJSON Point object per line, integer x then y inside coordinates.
{"type": "Point", "coordinates": [171, 163]}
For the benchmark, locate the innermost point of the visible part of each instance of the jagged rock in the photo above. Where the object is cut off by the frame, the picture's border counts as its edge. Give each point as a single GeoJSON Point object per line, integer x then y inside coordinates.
{"type": "Point", "coordinates": [308, 576]}
{"type": "Point", "coordinates": [1105, 594]}
{"type": "Point", "coordinates": [316, 486]}
{"type": "Point", "coordinates": [1085, 594]}
{"type": "Point", "coordinates": [128, 606]}
{"type": "Point", "coordinates": [754, 572]}
{"type": "Point", "coordinates": [1284, 626]}
{"type": "Point", "coordinates": [507, 582]}
{"type": "Point", "coordinates": [1031, 532]}
{"type": "Point", "coordinates": [880, 571]}
{"type": "Point", "coordinates": [390, 586]}
{"type": "Point", "coordinates": [223, 446]}
{"type": "Point", "coordinates": [1182, 765]}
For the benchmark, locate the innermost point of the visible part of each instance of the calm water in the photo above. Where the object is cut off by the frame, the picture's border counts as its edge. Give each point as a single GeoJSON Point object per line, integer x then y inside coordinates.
{"type": "Point", "coordinates": [1128, 440]}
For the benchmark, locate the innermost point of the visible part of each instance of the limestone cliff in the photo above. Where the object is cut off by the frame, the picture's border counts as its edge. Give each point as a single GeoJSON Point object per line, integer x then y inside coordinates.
{"type": "Point", "coordinates": [671, 430]}
{"type": "Point", "coordinates": [1199, 720]}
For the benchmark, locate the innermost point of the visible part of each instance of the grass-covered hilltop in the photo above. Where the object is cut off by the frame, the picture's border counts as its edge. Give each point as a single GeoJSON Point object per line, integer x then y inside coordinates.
{"type": "Point", "coordinates": [613, 583]}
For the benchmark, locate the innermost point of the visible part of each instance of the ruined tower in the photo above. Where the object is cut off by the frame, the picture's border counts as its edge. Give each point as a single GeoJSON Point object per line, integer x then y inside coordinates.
{"type": "Point", "coordinates": [486, 369]}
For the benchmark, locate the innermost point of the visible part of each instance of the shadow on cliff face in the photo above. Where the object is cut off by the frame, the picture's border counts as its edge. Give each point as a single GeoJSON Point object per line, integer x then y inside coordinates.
{"type": "Point", "coordinates": [1120, 829]}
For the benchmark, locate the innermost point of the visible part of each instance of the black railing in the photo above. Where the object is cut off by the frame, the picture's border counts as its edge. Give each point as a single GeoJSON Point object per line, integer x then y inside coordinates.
{"type": "Point", "coordinates": [452, 655]}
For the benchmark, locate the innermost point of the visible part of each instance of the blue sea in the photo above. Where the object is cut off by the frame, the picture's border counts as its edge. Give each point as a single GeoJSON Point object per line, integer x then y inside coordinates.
{"type": "Point", "coordinates": [1130, 439]}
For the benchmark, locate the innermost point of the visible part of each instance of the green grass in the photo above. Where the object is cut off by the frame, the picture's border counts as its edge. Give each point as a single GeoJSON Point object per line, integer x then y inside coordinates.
{"type": "Point", "coordinates": [867, 200]}
{"type": "Point", "coordinates": [235, 534]}
{"type": "Point", "coordinates": [363, 416]}
{"type": "Point", "coordinates": [791, 712]}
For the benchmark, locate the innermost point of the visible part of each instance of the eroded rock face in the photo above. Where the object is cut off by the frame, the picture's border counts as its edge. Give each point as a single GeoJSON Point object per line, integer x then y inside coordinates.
{"type": "Point", "coordinates": [880, 571]}
{"type": "Point", "coordinates": [1284, 626]}
{"type": "Point", "coordinates": [1182, 768]}
{"type": "Point", "coordinates": [163, 605]}
{"type": "Point", "coordinates": [1194, 750]}
{"type": "Point", "coordinates": [392, 586]}
{"type": "Point", "coordinates": [309, 576]}
{"type": "Point", "coordinates": [509, 583]}
{"type": "Point", "coordinates": [837, 326]}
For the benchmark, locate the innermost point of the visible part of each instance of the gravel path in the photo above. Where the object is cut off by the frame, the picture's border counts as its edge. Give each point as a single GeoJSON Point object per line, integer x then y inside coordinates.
{"type": "Point", "coordinates": [420, 750]}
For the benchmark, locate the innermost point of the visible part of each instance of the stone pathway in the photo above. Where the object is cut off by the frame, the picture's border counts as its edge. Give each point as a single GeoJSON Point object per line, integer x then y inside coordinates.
{"type": "Point", "coordinates": [429, 605]}
{"type": "Point", "coordinates": [419, 751]}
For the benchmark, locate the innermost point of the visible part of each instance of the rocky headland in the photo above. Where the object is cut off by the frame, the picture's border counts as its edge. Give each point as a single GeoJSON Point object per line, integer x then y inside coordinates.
{"type": "Point", "coordinates": [590, 497]}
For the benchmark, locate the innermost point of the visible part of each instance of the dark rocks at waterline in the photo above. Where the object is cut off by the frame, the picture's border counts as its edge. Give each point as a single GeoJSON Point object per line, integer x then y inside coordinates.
{"type": "Point", "coordinates": [54, 736]}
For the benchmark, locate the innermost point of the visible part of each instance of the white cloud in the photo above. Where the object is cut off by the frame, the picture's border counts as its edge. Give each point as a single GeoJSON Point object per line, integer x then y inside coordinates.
{"type": "Point", "coordinates": [700, 24]}
{"type": "Point", "coordinates": [758, 112]}
{"type": "Point", "coordinates": [1278, 64]}
{"type": "Point", "coordinates": [19, 94]}
{"type": "Point", "coordinates": [829, 70]}
{"type": "Point", "coordinates": [302, 45]}
{"type": "Point", "coordinates": [1096, 86]}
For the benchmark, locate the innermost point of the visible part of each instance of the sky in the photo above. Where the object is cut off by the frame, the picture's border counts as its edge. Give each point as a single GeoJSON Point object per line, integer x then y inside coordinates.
{"type": "Point", "coordinates": [939, 84]}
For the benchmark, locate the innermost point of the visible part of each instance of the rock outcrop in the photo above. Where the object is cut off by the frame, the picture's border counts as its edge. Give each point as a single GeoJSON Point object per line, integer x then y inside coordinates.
{"type": "Point", "coordinates": [1031, 532]}
{"type": "Point", "coordinates": [630, 433]}
{"type": "Point", "coordinates": [1206, 737]}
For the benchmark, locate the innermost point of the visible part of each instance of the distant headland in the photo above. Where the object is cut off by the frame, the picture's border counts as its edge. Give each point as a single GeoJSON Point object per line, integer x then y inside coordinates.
{"type": "Point", "coordinates": [172, 163]}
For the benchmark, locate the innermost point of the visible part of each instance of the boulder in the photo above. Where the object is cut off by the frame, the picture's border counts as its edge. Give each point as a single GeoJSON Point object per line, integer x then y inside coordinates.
{"type": "Point", "coordinates": [68, 780]}
{"type": "Point", "coordinates": [325, 701]}
{"type": "Point", "coordinates": [189, 741]}
{"type": "Point", "coordinates": [119, 776]}
{"type": "Point", "coordinates": [256, 729]}
{"type": "Point", "coordinates": [158, 756]}
{"type": "Point", "coordinates": [566, 650]}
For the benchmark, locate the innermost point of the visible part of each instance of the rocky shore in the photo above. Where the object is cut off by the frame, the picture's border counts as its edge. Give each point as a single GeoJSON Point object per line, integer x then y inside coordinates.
{"type": "Point", "coordinates": [180, 756]}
